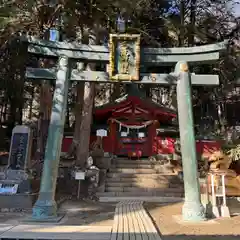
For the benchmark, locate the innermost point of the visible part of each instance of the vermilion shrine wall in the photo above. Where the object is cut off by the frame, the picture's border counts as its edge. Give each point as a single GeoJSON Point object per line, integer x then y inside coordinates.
{"type": "Point", "coordinates": [161, 145]}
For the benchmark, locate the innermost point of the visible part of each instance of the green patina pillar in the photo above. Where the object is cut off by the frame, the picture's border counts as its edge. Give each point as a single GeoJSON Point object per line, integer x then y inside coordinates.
{"type": "Point", "coordinates": [192, 210]}
{"type": "Point", "coordinates": [45, 207]}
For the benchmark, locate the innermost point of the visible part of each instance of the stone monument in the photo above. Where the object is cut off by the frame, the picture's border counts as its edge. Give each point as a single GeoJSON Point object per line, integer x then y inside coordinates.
{"type": "Point", "coordinates": [20, 148]}
{"type": "Point", "coordinates": [15, 180]}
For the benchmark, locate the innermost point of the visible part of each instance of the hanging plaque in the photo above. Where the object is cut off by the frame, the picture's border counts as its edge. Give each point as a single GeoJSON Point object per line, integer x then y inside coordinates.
{"type": "Point", "coordinates": [124, 57]}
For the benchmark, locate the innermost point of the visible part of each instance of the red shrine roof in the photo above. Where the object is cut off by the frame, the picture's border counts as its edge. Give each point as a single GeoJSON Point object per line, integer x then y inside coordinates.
{"type": "Point", "coordinates": [137, 106]}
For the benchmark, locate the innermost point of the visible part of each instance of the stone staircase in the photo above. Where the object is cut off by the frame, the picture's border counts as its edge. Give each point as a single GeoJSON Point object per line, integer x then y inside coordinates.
{"type": "Point", "coordinates": [142, 180]}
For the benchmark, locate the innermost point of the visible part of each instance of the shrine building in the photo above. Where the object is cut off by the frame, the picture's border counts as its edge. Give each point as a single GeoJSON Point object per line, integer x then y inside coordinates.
{"type": "Point", "coordinates": [138, 127]}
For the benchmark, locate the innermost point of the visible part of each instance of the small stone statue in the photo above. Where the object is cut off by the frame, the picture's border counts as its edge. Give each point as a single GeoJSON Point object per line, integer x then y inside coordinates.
{"type": "Point", "coordinates": [92, 175]}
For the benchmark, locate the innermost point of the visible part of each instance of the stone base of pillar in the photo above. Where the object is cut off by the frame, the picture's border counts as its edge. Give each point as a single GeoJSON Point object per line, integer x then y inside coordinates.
{"type": "Point", "coordinates": [46, 211]}
{"type": "Point", "coordinates": [193, 212]}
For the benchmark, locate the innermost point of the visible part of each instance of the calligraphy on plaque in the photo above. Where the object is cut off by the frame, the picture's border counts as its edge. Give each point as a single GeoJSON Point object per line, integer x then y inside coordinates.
{"type": "Point", "coordinates": [124, 57]}
{"type": "Point", "coordinates": [20, 148]}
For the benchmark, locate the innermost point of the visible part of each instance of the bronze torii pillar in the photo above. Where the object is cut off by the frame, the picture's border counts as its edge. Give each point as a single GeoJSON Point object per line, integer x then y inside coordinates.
{"type": "Point", "coordinates": [192, 209]}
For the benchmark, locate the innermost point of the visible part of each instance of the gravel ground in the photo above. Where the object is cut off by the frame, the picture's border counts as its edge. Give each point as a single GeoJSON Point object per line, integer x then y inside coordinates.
{"type": "Point", "coordinates": [168, 220]}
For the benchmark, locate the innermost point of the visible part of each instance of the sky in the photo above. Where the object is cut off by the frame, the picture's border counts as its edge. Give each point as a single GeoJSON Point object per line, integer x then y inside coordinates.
{"type": "Point", "coordinates": [237, 7]}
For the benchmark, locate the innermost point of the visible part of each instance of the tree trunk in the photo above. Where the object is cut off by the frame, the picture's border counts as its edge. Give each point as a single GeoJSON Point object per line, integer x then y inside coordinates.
{"type": "Point", "coordinates": [44, 117]}
{"type": "Point", "coordinates": [31, 102]}
{"type": "Point", "coordinates": [221, 118]}
{"type": "Point", "coordinates": [67, 122]}
{"type": "Point", "coordinates": [78, 116]}
{"type": "Point", "coordinates": [85, 126]}
{"type": "Point", "coordinates": [86, 118]}
{"type": "Point", "coordinates": [116, 92]}
{"type": "Point", "coordinates": [191, 29]}
{"type": "Point", "coordinates": [182, 17]}
{"type": "Point", "coordinates": [12, 116]}
{"type": "Point", "coordinates": [45, 113]}
{"type": "Point", "coordinates": [16, 92]}
{"type": "Point", "coordinates": [148, 91]}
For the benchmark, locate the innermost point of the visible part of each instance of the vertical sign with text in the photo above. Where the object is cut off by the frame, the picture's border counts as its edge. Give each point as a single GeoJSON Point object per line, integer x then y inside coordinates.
{"type": "Point", "coordinates": [20, 149]}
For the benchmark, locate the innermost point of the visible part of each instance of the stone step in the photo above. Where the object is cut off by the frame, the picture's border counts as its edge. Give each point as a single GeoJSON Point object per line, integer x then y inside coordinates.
{"type": "Point", "coordinates": [180, 189]}
{"type": "Point", "coordinates": [139, 175]}
{"type": "Point", "coordinates": [138, 165]}
{"type": "Point", "coordinates": [158, 193]}
{"type": "Point", "coordinates": [141, 166]}
{"type": "Point", "coordinates": [144, 184]}
{"type": "Point", "coordinates": [138, 171]}
{"type": "Point", "coordinates": [136, 161]}
{"type": "Point", "coordinates": [129, 178]}
{"type": "Point", "coordinates": [153, 199]}
{"type": "Point", "coordinates": [132, 162]}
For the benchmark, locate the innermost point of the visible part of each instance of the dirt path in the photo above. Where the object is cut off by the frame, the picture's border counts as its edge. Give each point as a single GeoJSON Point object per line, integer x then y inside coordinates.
{"type": "Point", "coordinates": [168, 220]}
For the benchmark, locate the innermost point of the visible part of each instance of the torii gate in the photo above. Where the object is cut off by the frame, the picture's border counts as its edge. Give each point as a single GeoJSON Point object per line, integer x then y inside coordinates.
{"type": "Point", "coordinates": [124, 57]}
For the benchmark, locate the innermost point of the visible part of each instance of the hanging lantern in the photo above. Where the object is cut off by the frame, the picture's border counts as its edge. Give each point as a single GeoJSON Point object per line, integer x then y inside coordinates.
{"type": "Point", "coordinates": [121, 24]}
{"type": "Point", "coordinates": [54, 32]}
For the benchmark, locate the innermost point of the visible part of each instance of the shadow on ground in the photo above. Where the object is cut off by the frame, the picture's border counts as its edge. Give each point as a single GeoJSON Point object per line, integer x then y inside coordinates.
{"type": "Point", "coordinates": [90, 212]}
{"type": "Point", "coordinates": [87, 213]}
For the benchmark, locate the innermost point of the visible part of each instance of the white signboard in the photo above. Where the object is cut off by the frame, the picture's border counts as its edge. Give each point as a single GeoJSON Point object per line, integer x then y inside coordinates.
{"type": "Point", "coordinates": [8, 188]}
{"type": "Point", "coordinates": [79, 175]}
{"type": "Point", "coordinates": [102, 133]}
{"type": "Point", "coordinates": [141, 134]}
{"type": "Point", "coordinates": [124, 134]}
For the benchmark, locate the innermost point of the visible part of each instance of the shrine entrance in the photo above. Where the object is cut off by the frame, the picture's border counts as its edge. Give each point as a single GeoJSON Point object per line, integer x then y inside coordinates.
{"type": "Point", "coordinates": [133, 121]}
{"type": "Point", "coordinates": [125, 59]}
{"type": "Point", "coordinates": [132, 141]}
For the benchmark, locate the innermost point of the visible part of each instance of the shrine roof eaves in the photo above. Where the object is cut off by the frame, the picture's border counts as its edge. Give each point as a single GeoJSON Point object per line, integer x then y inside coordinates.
{"type": "Point", "coordinates": [111, 105]}
{"type": "Point", "coordinates": [138, 96]}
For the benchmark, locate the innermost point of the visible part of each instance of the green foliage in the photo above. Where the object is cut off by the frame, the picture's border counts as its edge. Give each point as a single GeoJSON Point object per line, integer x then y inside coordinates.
{"type": "Point", "coordinates": [161, 23]}
{"type": "Point", "coordinates": [234, 153]}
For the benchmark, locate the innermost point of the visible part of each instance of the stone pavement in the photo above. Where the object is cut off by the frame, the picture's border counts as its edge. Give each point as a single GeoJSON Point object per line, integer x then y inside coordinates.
{"type": "Point", "coordinates": [93, 220]}
{"type": "Point", "coordinates": [83, 220]}
{"type": "Point", "coordinates": [40, 231]}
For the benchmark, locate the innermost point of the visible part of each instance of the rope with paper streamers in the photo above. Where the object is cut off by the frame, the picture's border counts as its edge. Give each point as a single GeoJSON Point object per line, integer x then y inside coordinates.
{"type": "Point", "coordinates": [147, 123]}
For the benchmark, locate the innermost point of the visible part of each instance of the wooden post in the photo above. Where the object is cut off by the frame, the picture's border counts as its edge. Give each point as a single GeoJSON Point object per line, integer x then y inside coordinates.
{"type": "Point", "coordinates": [192, 210]}
{"type": "Point", "coordinates": [215, 210]}
{"type": "Point", "coordinates": [45, 207]}
{"type": "Point", "coordinates": [112, 136]}
{"type": "Point", "coordinates": [151, 136]}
